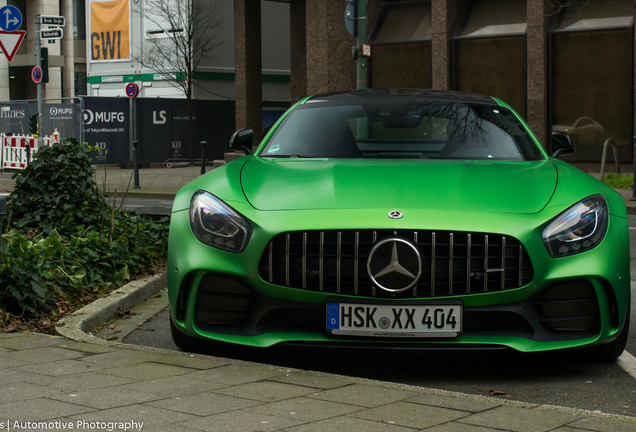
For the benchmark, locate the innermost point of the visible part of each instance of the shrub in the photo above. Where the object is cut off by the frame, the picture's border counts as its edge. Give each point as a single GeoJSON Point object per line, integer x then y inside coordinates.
{"type": "Point", "coordinates": [64, 237]}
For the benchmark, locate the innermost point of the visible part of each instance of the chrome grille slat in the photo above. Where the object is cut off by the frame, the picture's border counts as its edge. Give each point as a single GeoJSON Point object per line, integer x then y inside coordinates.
{"type": "Point", "coordinates": [468, 255]}
{"type": "Point", "coordinates": [338, 264]}
{"type": "Point", "coordinates": [322, 251]}
{"type": "Point", "coordinates": [450, 266]}
{"type": "Point", "coordinates": [459, 262]}
{"type": "Point", "coordinates": [287, 240]}
{"type": "Point", "coordinates": [304, 260]}
{"type": "Point", "coordinates": [503, 263]}
{"type": "Point", "coordinates": [355, 262]}
{"type": "Point", "coordinates": [485, 263]}
{"type": "Point", "coordinates": [433, 265]}
{"type": "Point", "coordinates": [520, 265]}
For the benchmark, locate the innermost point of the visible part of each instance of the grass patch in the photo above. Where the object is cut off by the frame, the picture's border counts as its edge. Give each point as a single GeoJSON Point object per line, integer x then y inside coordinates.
{"type": "Point", "coordinates": [618, 181]}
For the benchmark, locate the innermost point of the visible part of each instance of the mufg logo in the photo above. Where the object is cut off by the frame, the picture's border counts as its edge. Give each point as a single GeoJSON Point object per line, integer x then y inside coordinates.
{"type": "Point", "coordinates": [103, 117]}
{"type": "Point", "coordinates": [60, 111]}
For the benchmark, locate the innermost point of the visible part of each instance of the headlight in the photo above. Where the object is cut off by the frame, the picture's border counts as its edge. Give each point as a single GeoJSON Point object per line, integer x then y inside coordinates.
{"type": "Point", "coordinates": [578, 229]}
{"type": "Point", "coordinates": [215, 223]}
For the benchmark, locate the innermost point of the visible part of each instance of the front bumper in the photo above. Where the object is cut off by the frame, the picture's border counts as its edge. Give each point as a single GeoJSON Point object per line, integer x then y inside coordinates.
{"type": "Point", "coordinates": [516, 318]}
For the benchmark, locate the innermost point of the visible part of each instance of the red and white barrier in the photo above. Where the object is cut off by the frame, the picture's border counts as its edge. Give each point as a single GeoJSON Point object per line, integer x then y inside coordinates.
{"type": "Point", "coordinates": [14, 148]}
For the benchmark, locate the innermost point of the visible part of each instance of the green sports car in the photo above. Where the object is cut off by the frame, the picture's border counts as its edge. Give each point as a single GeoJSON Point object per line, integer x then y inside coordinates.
{"type": "Point", "coordinates": [400, 218]}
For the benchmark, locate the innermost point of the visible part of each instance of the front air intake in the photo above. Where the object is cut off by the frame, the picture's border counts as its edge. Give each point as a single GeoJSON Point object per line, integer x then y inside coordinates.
{"type": "Point", "coordinates": [222, 301]}
{"type": "Point", "coordinates": [571, 306]}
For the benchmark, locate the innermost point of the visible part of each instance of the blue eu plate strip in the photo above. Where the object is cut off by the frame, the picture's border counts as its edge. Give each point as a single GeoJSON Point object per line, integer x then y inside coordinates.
{"type": "Point", "coordinates": [333, 316]}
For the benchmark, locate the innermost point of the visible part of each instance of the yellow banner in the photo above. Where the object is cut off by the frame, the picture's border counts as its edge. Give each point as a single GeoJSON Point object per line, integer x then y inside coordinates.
{"type": "Point", "coordinates": [109, 30]}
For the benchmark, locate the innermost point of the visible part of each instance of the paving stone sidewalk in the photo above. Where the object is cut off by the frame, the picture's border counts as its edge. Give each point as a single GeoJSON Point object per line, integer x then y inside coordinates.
{"type": "Point", "coordinates": [52, 379]}
{"type": "Point", "coordinates": [154, 182]}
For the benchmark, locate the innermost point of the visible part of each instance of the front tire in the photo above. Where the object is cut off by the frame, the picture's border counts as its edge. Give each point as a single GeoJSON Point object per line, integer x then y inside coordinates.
{"type": "Point", "coordinates": [182, 341]}
{"type": "Point", "coordinates": [613, 350]}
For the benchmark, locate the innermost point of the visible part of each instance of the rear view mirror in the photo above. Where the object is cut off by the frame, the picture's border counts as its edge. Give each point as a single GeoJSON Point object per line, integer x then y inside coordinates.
{"type": "Point", "coordinates": [561, 143]}
{"type": "Point", "coordinates": [242, 140]}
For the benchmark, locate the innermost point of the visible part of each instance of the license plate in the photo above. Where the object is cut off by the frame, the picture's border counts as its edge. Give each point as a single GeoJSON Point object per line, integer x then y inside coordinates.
{"type": "Point", "coordinates": [394, 320]}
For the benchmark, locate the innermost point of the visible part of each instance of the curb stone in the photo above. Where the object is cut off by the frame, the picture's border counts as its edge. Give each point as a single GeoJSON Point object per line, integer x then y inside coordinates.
{"type": "Point", "coordinates": [78, 327]}
{"type": "Point", "coordinates": [79, 324]}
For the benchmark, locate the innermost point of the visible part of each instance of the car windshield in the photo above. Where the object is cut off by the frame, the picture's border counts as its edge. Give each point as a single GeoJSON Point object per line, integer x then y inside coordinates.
{"type": "Point", "coordinates": [402, 129]}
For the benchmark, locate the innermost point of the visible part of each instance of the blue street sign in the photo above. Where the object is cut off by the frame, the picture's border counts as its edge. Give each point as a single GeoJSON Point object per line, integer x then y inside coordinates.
{"type": "Point", "coordinates": [10, 18]}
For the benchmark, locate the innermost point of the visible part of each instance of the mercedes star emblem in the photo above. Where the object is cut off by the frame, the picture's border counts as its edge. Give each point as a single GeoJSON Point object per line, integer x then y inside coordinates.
{"type": "Point", "coordinates": [394, 265]}
{"type": "Point", "coordinates": [396, 214]}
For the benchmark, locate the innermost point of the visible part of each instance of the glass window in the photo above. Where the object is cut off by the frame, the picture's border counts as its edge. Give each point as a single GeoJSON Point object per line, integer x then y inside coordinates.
{"type": "Point", "coordinates": [401, 66]}
{"type": "Point", "coordinates": [591, 96]}
{"type": "Point", "coordinates": [489, 52]}
{"type": "Point", "coordinates": [80, 84]}
{"type": "Point", "coordinates": [401, 51]}
{"type": "Point", "coordinates": [493, 67]}
{"type": "Point", "coordinates": [402, 129]}
{"type": "Point", "coordinates": [595, 14]}
{"type": "Point", "coordinates": [157, 23]}
{"type": "Point", "coordinates": [79, 20]}
{"type": "Point", "coordinates": [404, 22]}
{"type": "Point", "coordinates": [495, 17]}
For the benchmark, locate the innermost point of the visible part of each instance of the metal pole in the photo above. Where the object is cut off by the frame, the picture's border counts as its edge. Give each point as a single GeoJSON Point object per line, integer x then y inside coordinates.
{"type": "Point", "coordinates": [38, 53]}
{"type": "Point", "coordinates": [203, 144]}
{"type": "Point", "coordinates": [634, 162]}
{"type": "Point", "coordinates": [136, 161]}
{"type": "Point", "coordinates": [362, 38]}
{"type": "Point", "coordinates": [131, 134]}
{"type": "Point", "coordinates": [3, 211]}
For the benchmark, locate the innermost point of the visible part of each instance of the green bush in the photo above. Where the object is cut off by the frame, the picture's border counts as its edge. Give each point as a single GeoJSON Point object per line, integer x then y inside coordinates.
{"type": "Point", "coordinates": [64, 238]}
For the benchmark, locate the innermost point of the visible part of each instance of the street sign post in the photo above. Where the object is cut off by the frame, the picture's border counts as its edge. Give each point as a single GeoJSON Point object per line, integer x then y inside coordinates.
{"type": "Point", "coordinates": [56, 33]}
{"type": "Point", "coordinates": [10, 18]}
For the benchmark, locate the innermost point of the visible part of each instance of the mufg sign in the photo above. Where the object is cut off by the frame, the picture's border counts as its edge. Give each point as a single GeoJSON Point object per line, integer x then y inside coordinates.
{"type": "Point", "coordinates": [106, 126]}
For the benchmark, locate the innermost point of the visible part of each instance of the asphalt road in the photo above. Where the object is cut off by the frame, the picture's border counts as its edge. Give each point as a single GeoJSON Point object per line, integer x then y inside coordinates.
{"type": "Point", "coordinates": [565, 379]}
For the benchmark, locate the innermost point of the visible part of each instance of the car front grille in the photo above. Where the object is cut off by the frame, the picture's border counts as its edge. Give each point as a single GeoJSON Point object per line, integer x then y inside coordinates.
{"type": "Point", "coordinates": [453, 263]}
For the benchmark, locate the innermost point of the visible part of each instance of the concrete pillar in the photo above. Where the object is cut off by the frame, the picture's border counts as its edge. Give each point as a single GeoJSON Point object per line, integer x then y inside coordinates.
{"type": "Point", "coordinates": [4, 71]}
{"type": "Point", "coordinates": [329, 63]}
{"type": "Point", "coordinates": [68, 50]}
{"type": "Point", "coordinates": [248, 64]}
{"type": "Point", "coordinates": [444, 15]}
{"type": "Point", "coordinates": [538, 14]}
{"type": "Point", "coordinates": [298, 48]}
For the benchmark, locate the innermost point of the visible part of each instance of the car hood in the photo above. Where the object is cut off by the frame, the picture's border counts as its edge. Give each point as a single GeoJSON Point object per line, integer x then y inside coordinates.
{"type": "Point", "coordinates": [303, 184]}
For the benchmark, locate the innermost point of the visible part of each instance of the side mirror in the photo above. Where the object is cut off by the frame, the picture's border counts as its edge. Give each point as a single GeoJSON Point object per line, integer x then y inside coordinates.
{"type": "Point", "coordinates": [242, 140]}
{"type": "Point", "coordinates": [562, 143]}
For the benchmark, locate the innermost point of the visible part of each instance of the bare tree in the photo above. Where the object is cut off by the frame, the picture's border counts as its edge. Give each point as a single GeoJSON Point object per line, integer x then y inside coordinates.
{"type": "Point", "coordinates": [184, 34]}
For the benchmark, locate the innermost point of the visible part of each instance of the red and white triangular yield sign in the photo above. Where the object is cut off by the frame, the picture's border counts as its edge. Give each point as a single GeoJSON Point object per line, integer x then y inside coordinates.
{"type": "Point", "coordinates": [10, 42]}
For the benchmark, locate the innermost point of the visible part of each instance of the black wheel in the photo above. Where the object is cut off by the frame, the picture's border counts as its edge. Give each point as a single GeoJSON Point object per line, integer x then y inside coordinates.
{"type": "Point", "coordinates": [184, 342]}
{"type": "Point", "coordinates": [613, 350]}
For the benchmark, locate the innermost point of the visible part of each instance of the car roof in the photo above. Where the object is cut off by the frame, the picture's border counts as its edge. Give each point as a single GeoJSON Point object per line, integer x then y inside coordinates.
{"type": "Point", "coordinates": [406, 94]}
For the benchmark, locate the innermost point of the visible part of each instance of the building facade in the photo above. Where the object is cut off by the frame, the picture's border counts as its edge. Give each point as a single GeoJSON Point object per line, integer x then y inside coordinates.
{"type": "Point", "coordinates": [568, 68]}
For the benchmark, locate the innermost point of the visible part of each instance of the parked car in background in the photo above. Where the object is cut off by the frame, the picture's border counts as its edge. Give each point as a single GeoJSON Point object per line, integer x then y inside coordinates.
{"type": "Point", "coordinates": [584, 131]}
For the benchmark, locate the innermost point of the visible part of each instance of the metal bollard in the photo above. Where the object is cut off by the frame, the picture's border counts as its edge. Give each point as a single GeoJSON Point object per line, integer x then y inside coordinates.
{"type": "Point", "coordinates": [3, 211]}
{"type": "Point", "coordinates": [28, 151]}
{"type": "Point", "coordinates": [203, 144]}
{"type": "Point", "coordinates": [136, 162]}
